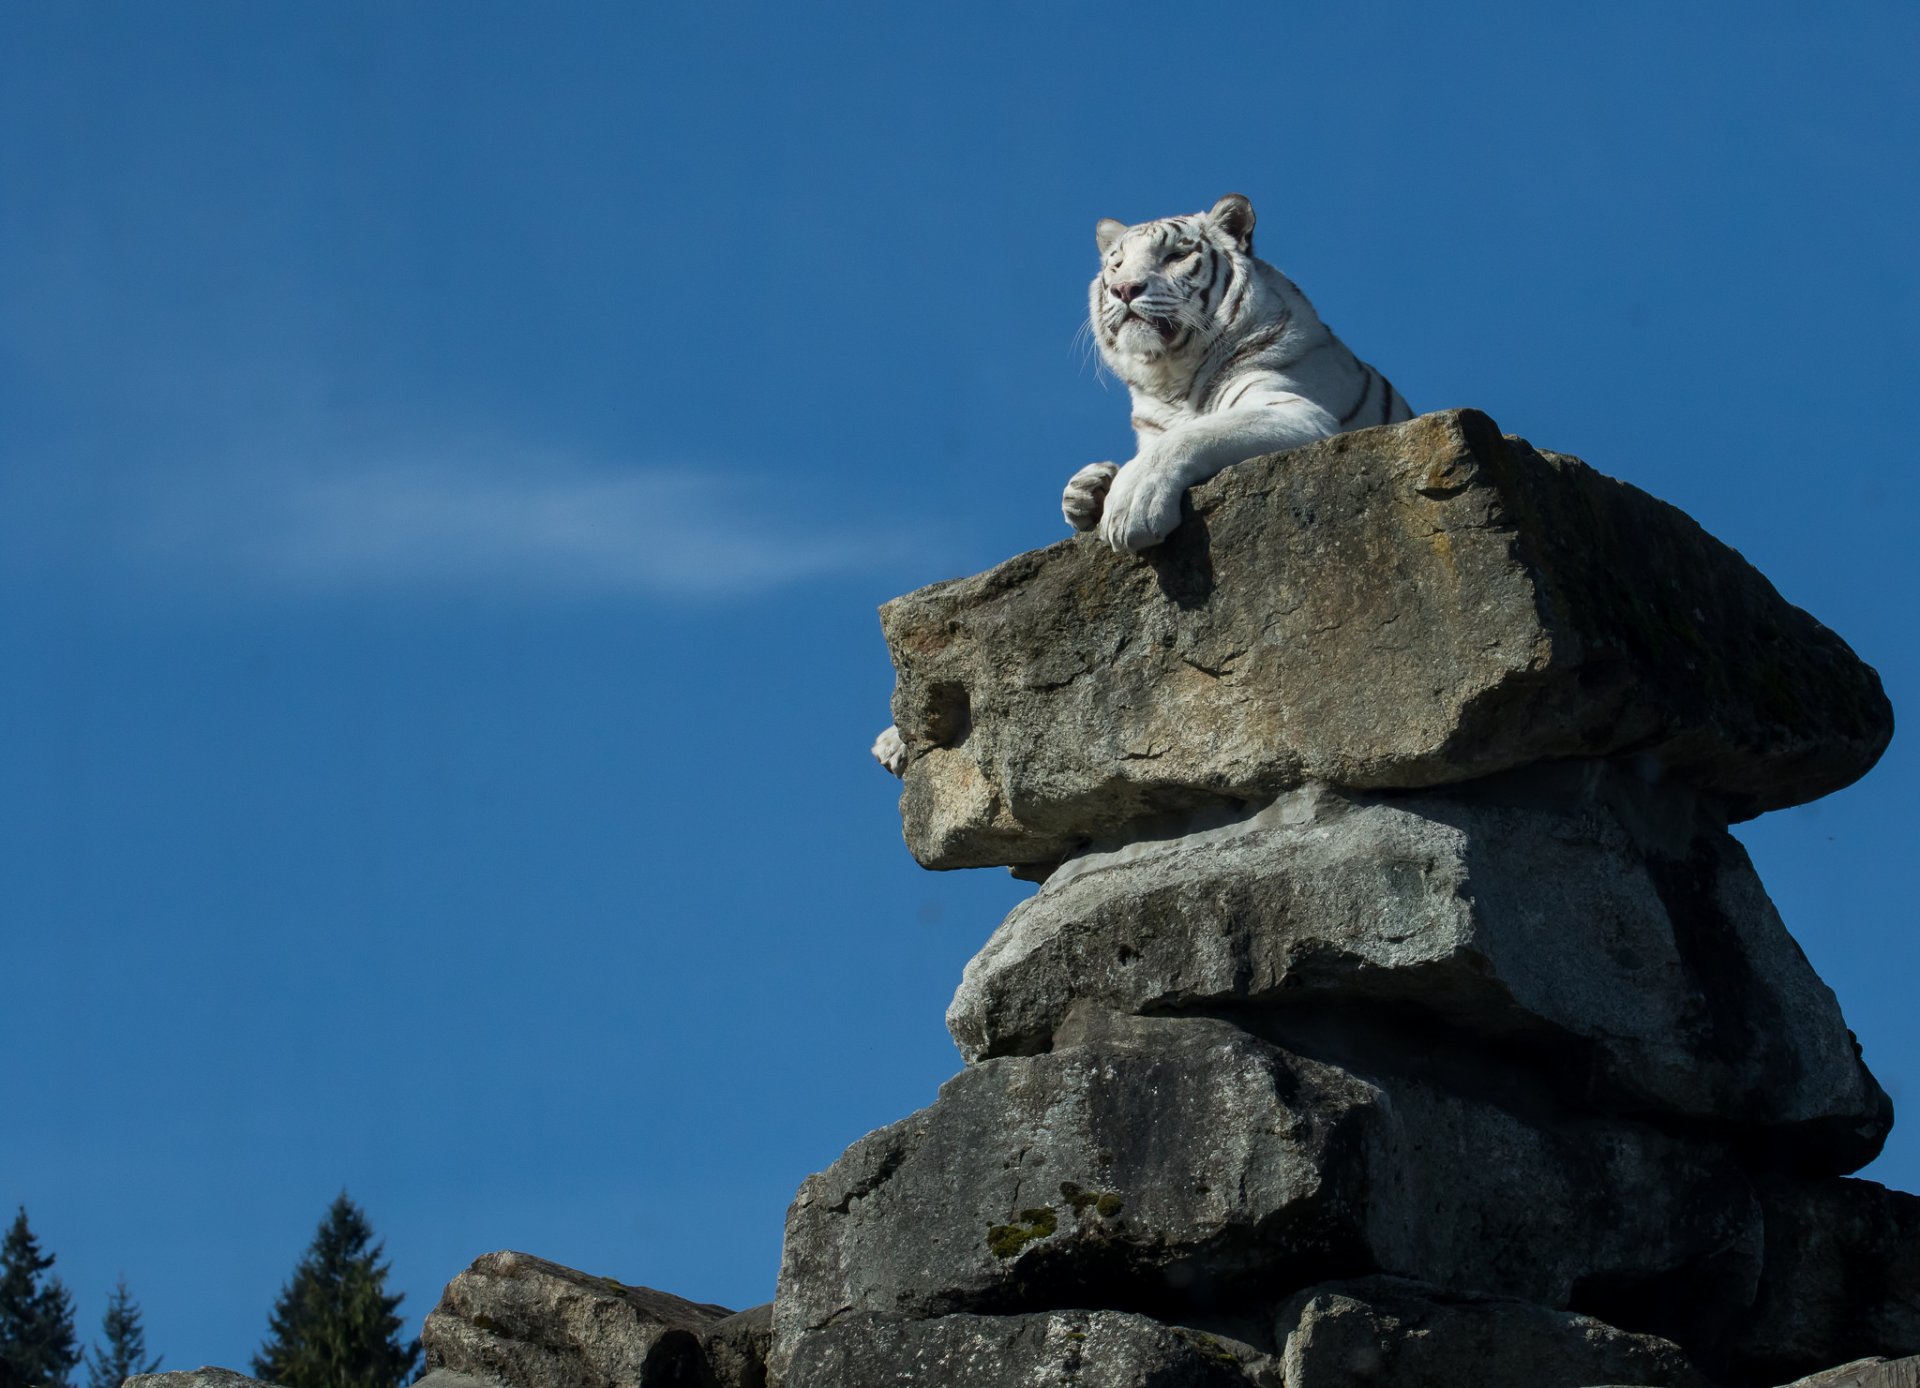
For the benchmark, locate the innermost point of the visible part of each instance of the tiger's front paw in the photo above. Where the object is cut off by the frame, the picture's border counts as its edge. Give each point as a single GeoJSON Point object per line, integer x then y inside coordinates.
{"type": "Point", "coordinates": [890, 750]}
{"type": "Point", "coordinates": [1086, 494]}
{"type": "Point", "coordinates": [1143, 507]}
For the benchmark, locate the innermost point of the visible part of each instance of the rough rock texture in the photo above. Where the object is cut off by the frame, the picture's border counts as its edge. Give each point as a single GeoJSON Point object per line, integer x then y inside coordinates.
{"type": "Point", "coordinates": [529, 1323]}
{"type": "Point", "coordinates": [1873, 1372]}
{"type": "Point", "coordinates": [1842, 1278]}
{"type": "Point", "coordinates": [737, 1348]}
{"type": "Point", "coordinates": [1409, 1335]}
{"type": "Point", "coordinates": [208, 1377]}
{"type": "Point", "coordinates": [1611, 942]}
{"type": "Point", "coordinates": [1187, 1166]}
{"type": "Point", "coordinates": [1400, 607]}
{"type": "Point", "coordinates": [1395, 1006]}
{"type": "Point", "coordinates": [1098, 1349]}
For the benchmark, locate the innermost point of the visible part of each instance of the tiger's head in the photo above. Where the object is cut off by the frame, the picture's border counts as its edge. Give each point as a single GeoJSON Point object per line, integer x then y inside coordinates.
{"type": "Point", "coordinates": [1167, 290]}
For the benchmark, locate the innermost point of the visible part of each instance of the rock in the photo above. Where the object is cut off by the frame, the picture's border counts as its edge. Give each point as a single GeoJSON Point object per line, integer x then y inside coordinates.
{"type": "Point", "coordinates": [1866, 1373]}
{"type": "Point", "coordinates": [1396, 608]}
{"type": "Point", "coordinates": [1408, 1335]}
{"type": "Point", "coordinates": [1109, 1349]}
{"type": "Point", "coordinates": [1586, 923]}
{"type": "Point", "coordinates": [208, 1377]}
{"type": "Point", "coordinates": [738, 1346]}
{"type": "Point", "coordinates": [1841, 1279]}
{"type": "Point", "coordinates": [1185, 1165]}
{"type": "Point", "coordinates": [528, 1323]}
{"type": "Point", "coordinates": [447, 1378]}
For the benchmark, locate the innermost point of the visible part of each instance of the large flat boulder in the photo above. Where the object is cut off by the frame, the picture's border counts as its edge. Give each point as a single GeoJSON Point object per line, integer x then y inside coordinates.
{"type": "Point", "coordinates": [1587, 926]}
{"type": "Point", "coordinates": [1389, 1331]}
{"type": "Point", "coordinates": [524, 1322]}
{"type": "Point", "coordinates": [1871, 1372]}
{"type": "Point", "coordinates": [1395, 608]}
{"type": "Point", "coordinates": [1841, 1279]}
{"type": "Point", "coordinates": [1110, 1349]}
{"type": "Point", "coordinates": [1188, 1166]}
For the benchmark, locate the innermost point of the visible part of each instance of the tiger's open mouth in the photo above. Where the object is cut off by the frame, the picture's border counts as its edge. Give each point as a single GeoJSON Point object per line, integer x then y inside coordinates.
{"type": "Point", "coordinates": [1164, 328]}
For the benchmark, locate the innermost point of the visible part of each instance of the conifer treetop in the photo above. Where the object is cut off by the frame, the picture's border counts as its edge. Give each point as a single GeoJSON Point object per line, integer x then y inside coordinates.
{"type": "Point", "coordinates": [334, 1325]}
{"type": "Point", "coordinates": [123, 1351]}
{"type": "Point", "coordinates": [37, 1345]}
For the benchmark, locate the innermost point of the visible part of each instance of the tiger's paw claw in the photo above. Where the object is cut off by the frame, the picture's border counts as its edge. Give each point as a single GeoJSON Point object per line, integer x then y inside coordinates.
{"type": "Point", "coordinates": [1086, 495]}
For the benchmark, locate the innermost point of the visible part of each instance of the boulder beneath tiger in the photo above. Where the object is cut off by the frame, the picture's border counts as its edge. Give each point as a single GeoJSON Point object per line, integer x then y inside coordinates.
{"type": "Point", "coordinates": [1111, 1349]}
{"type": "Point", "coordinates": [1383, 1331]}
{"type": "Point", "coordinates": [523, 1322]}
{"type": "Point", "coordinates": [1189, 1167]}
{"type": "Point", "coordinates": [1873, 1372]}
{"type": "Point", "coordinates": [1841, 1278]}
{"type": "Point", "coordinates": [1572, 923]}
{"type": "Point", "coordinates": [1397, 608]}
{"type": "Point", "coordinates": [1404, 1334]}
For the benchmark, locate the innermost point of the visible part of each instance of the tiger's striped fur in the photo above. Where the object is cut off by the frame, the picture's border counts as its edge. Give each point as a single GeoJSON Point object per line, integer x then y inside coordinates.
{"type": "Point", "coordinates": [1225, 358]}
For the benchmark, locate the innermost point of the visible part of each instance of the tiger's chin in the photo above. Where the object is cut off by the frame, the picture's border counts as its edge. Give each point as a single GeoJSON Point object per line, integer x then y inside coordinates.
{"type": "Point", "coordinates": [1144, 340]}
{"type": "Point", "coordinates": [1137, 327]}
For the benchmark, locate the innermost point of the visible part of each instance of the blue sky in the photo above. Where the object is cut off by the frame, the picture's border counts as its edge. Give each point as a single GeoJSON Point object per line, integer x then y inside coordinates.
{"type": "Point", "coordinates": [450, 455]}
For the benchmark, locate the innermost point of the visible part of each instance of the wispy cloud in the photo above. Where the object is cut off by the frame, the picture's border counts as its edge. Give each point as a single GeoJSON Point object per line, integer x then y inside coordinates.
{"type": "Point", "coordinates": [503, 520]}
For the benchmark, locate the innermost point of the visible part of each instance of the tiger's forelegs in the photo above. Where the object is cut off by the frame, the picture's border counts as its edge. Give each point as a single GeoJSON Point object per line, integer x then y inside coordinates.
{"type": "Point", "coordinates": [1143, 504]}
{"type": "Point", "coordinates": [1086, 494]}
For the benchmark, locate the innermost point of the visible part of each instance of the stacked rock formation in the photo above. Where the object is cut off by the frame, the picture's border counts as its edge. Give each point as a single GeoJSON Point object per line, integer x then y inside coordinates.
{"type": "Point", "coordinates": [1395, 1007]}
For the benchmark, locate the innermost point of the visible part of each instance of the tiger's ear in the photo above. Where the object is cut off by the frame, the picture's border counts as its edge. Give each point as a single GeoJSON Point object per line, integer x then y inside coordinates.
{"type": "Point", "coordinates": [1233, 214]}
{"type": "Point", "coordinates": [1106, 231]}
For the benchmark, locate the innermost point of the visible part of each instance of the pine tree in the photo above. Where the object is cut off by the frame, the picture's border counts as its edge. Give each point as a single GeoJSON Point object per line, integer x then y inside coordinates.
{"type": "Point", "coordinates": [334, 1325]}
{"type": "Point", "coordinates": [125, 1352]}
{"type": "Point", "coordinates": [37, 1347]}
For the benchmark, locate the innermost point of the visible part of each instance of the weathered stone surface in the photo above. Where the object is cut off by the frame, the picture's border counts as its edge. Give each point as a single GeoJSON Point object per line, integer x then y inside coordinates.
{"type": "Point", "coordinates": [1410, 1335]}
{"type": "Point", "coordinates": [528, 1323]}
{"type": "Point", "coordinates": [1874, 1372]}
{"type": "Point", "coordinates": [1841, 1279]}
{"type": "Point", "coordinates": [1401, 607]}
{"type": "Point", "coordinates": [1184, 1164]}
{"type": "Point", "coordinates": [737, 1348]}
{"type": "Point", "coordinates": [207, 1377]}
{"type": "Point", "coordinates": [1612, 940]}
{"type": "Point", "coordinates": [1109, 1349]}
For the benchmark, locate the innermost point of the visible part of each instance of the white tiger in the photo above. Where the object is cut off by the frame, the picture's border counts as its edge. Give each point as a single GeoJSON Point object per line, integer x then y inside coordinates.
{"type": "Point", "coordinates": [1225, 359]}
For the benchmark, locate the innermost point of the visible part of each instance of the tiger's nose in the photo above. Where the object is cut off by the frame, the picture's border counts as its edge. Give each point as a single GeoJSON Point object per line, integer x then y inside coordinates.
{"type": "Point", "coordinates": [1126, 291]}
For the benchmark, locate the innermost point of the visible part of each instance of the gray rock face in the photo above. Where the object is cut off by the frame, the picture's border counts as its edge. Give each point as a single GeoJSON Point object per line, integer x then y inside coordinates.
{"type": "Point", "coordinates": [524, 1322]}
{"type": "Point", "coordinates": [1873, 1372]}
{"type": "Point", "coordinates": [1396, 608]}
{"type": "Point", "coordinates": [1842, 1279]}
{"type": "Point", "coordinates": [1110, 1349]}
{"type": "Point", "coordinates": [1396, 1007]}
{"type": "Point", "coordinates": [1408, 1335]}
{"type": "Point", "coordinates": [1186, 1165]}
{"type": "Point", "coordinates": [207, 1377]}
{"type": "Point", "coordinates": [1627, 949]}
{"type": "Point", "coordinates": [737, 1348]}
